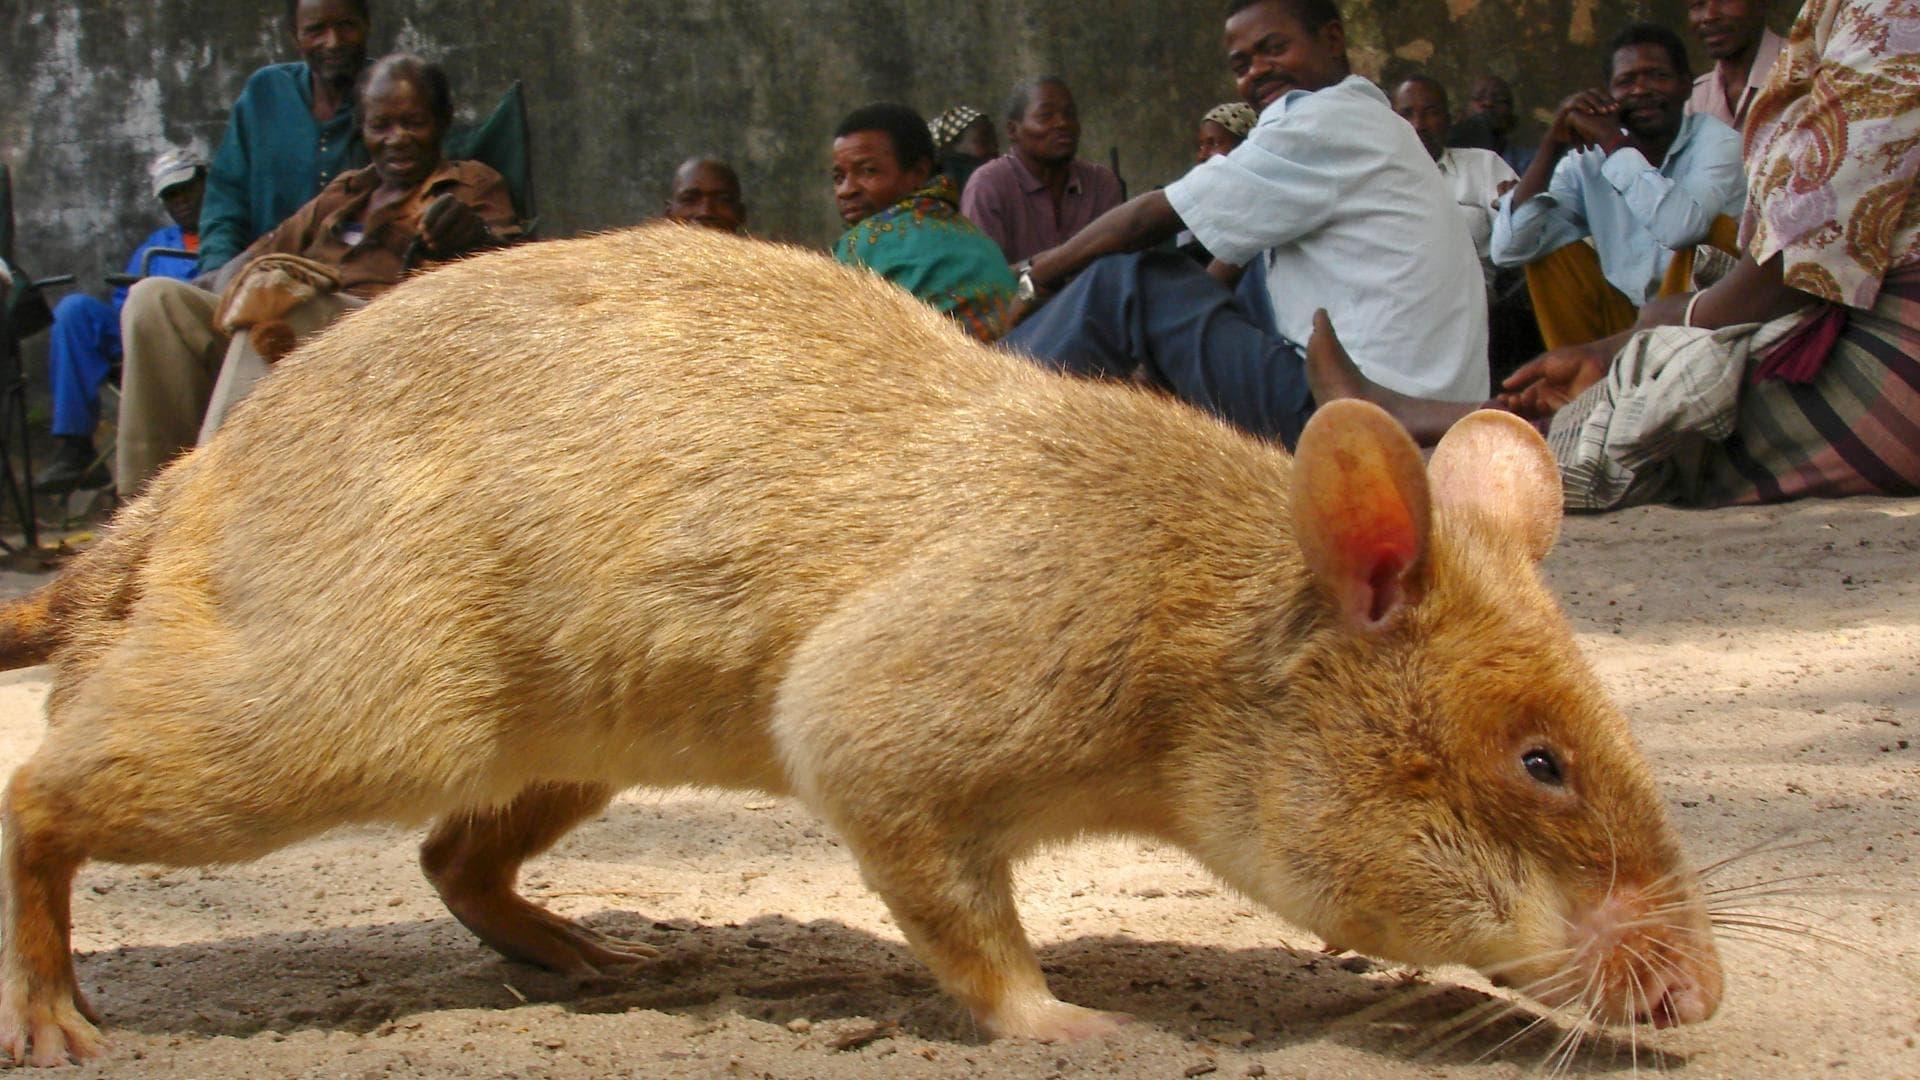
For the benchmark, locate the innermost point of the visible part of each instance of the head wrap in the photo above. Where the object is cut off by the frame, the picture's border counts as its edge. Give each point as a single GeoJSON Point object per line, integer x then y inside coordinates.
{"type": "Point", "coordinates": [948, 125]}
{"type": "Point", "coordinates": [1237, 117]}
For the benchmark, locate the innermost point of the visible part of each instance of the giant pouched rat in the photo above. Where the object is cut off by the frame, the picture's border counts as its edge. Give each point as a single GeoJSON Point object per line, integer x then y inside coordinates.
{"type": "Point", "coordinates": [817, 542]}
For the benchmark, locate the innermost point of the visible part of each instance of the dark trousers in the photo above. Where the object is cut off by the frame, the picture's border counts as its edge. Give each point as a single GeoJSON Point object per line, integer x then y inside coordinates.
{"type": "Point", "coordinates": [1214, 348]}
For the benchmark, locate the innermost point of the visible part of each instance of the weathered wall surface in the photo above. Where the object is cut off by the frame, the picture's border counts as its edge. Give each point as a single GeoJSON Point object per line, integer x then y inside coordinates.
{"type": "Point", "coordinates": [621, 89]}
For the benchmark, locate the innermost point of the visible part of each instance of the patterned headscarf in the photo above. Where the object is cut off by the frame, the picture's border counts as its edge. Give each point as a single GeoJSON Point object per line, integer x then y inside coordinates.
{"type": "Point", "coordinates": [1237, 117]}
{"type": "Point", "coordinates": [948, 125]}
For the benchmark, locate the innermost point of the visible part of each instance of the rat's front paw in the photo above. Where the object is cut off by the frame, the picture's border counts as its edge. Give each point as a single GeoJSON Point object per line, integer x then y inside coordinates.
{"type": "Point", "coordinates": [1051, 1020]}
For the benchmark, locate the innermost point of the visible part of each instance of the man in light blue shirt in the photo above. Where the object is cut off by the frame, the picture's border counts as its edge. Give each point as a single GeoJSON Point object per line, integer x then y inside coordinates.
{"type": "Point", "coordinates": [1595, 177]}
{"type": "Point", "coordinates": [1330, 203]}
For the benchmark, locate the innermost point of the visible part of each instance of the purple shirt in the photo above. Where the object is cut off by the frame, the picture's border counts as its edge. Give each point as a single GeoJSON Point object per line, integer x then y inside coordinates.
{"type": "Point", "coordinates": [1011, 204]}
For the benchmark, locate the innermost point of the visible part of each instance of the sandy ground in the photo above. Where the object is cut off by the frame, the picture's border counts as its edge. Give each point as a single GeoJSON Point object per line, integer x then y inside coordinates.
{"type": "Point", "coordinates": [1768, 658]}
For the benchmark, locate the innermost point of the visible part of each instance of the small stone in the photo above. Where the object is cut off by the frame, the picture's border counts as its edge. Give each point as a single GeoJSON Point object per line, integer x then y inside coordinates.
{"type": "Point", "coordinates": [553, 1044]}
{"type": "Point", "coordinates": [1232, 1038]}
{"type": "Point", "coordinates": [1256, 1069]}
{"type": "Point", "coordinates": [799, 1025]}
{"type": "Point", "coordinates": [1359, 965]}
{"type": "Point", "coordinates": [1202, 1069]}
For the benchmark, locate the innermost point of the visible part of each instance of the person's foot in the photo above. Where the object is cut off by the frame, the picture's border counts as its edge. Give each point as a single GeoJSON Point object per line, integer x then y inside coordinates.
{"type": "Point", "coordinates": [73, 466]}
{"type": "Point", "coordinates": [1331, 373]}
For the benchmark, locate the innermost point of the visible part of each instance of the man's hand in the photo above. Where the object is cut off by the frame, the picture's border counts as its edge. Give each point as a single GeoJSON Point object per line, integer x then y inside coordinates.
{"type": "Point", "coordinates": [1588, 118]}
{"type": "Point", "coordinates": [450, 227]}
{"type": "Point", "coordinates": [1550, 380]}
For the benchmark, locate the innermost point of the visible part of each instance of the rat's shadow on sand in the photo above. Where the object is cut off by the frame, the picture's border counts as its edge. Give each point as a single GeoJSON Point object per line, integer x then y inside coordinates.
{"type": "Point", "coordinates": [774, 969]}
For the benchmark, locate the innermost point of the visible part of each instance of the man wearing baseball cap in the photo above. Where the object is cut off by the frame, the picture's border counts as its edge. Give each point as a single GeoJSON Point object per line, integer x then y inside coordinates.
{"type": "Point", "coordinates": [84, 341]}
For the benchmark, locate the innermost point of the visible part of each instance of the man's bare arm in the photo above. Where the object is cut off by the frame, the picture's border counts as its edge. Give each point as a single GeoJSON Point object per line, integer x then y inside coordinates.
{"type": "Point", "coordinates": [1135, 225]}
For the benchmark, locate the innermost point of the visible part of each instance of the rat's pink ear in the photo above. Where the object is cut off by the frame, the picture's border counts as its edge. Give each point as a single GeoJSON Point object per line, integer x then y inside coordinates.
{"type": "Point", "coordinates": [1497, 464]}
{"type": "Point", "coordinates": [1360, 511]}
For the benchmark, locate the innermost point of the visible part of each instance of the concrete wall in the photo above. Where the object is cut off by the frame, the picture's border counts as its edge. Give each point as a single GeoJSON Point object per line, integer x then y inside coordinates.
{"type": "Point", "coordinates": [621, 89]}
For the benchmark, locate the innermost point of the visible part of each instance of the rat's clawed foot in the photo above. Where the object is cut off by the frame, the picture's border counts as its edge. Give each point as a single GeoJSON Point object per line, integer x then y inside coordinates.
{"type": "Point", "coordinates": [47, 1033]}
{"type": "Point", "coordinates": [521, 930]}
{"type": "Point", "coordinates": [1051, 1020]}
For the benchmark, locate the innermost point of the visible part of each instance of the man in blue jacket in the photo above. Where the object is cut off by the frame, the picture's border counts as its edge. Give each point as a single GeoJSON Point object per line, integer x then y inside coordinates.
{"type": "Point", "coordinates": [84, 342]}
{"type": "Point", "coordinates": [292, 131]}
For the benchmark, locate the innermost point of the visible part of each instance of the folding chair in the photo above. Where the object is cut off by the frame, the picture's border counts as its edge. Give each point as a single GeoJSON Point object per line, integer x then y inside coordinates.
{"type": "Point", "coordinates": [26, 314]}
{"type": "Point", "coordinates": [504, 140]}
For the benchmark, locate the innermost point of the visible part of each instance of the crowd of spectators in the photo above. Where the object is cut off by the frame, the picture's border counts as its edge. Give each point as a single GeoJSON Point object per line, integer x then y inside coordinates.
{"type": "Point", "coordinates": [1334, 238]}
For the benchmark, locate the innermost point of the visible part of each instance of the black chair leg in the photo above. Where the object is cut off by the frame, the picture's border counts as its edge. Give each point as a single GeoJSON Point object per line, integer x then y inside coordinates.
{"type": "Point", "coordinates": [17, 492]}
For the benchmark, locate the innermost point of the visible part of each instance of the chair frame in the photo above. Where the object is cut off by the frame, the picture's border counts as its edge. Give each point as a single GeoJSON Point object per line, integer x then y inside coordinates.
{"type": "Point", "coordinates": [16, 492]}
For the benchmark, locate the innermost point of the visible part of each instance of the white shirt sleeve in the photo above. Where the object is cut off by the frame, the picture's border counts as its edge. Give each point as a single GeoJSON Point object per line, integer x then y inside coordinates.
{"type": "Point", "coordinates": [1293, 169]}
{"type": "Point", "coordinates": [1547, 222]}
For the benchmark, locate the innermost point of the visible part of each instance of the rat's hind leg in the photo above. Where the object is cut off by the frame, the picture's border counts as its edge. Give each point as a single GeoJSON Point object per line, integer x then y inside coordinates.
{"type": "Point", "coordinates": [473, 858]}
{"type": "Point", "coordinates": [44, 1019]}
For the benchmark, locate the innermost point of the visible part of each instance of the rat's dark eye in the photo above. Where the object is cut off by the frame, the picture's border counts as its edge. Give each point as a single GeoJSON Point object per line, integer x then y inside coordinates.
{"type": "Point", "coordinates": [1543, 766]}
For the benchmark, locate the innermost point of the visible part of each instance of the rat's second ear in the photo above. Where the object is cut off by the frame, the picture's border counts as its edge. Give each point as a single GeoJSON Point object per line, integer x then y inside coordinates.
{"type": "Point", "coordinates": [1497, 464]}
{"type": "Point", "coordinates": [1360, 511]}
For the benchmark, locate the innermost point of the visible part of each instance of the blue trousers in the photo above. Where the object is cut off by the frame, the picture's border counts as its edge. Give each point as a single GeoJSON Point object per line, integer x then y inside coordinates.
{"type": "Point", "coordinates": [1215, 348]}
{"type": "Point", "coordinates": [83, 344]}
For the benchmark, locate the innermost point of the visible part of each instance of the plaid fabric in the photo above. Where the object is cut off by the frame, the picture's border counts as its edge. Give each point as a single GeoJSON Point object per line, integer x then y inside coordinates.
{"type": "Point", "coordinates": [1853, 430]}
{"type": "Point", "coordinates": [948, 125]}
{"type": "Point", "coordinates": [1637, 435]}
{"type": "Point", "coordinates": [1237, 117]}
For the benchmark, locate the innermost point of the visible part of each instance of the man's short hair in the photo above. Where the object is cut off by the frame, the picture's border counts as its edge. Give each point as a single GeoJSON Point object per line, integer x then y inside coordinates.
{"type": "Point", "coordinates": [902, 126]}
{"type": "Point", "coordinates": [704, 161]}
{"type": "Point", "coordinates": [362, 6]}
{"type": "Point", "coordinates": [430, 77]}
{"type": "Point", "coordinates": [1021, 97]}
{"type": "Point", "coordinates": [1310, 14]}
{"type": "Point", "coordinates": [1646, 33]}
{"type": "Point", "coordinates": [1429, 82]}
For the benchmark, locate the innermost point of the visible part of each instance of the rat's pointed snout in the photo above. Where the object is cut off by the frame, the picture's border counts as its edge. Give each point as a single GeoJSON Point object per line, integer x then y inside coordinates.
{"type": "Point", "coordinates": [1688, 997]}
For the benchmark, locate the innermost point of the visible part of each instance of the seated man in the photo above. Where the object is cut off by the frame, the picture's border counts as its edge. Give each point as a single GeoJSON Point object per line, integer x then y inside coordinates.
{"type": "Point", "coordinates": [370, 226]}
{"type": "Point", "coordinates": [1477, 179]}
{"type": "Point", "coordinates": [904, 220]}
{"type": "Point", "coordinates": [1039, 194]}
{"type": "Point", "coordinates": [1334, 202]}
{"type": "Point", "coordinates": [706, 191]}
{"type": "Point", "coordinates": [1734, 33]}
{"type": "Point", "coordinates": [84, 342]}
{"type": "Point", "coordinates": [292, 131]}
{"type": "Point", "coordinates": [1489, 124]}
{"type": "Point", "coordinates": [1595, 177]}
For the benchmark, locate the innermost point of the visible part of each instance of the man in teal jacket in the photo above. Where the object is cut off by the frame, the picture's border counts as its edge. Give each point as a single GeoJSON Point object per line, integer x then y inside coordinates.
{"type": "Point", "coordinates": [292, 131]}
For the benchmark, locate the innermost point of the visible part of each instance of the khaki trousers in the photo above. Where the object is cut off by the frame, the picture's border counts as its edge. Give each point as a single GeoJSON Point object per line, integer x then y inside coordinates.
{"type": "Point", "coordinates": [181, 376]}
{"type": "Point", "coordinates": [1574, 303]}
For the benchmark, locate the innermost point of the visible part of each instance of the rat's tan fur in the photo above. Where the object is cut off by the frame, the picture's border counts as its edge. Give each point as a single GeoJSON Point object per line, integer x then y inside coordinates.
{"type": "Point", "coordinates": [667, 507]}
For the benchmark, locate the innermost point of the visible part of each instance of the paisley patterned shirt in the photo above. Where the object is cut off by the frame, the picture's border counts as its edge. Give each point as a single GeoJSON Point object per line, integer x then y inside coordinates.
{"type": "Point", "coordinates": [1833, 149]}
{"type": "Point", "coordinates": [923, 245]}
